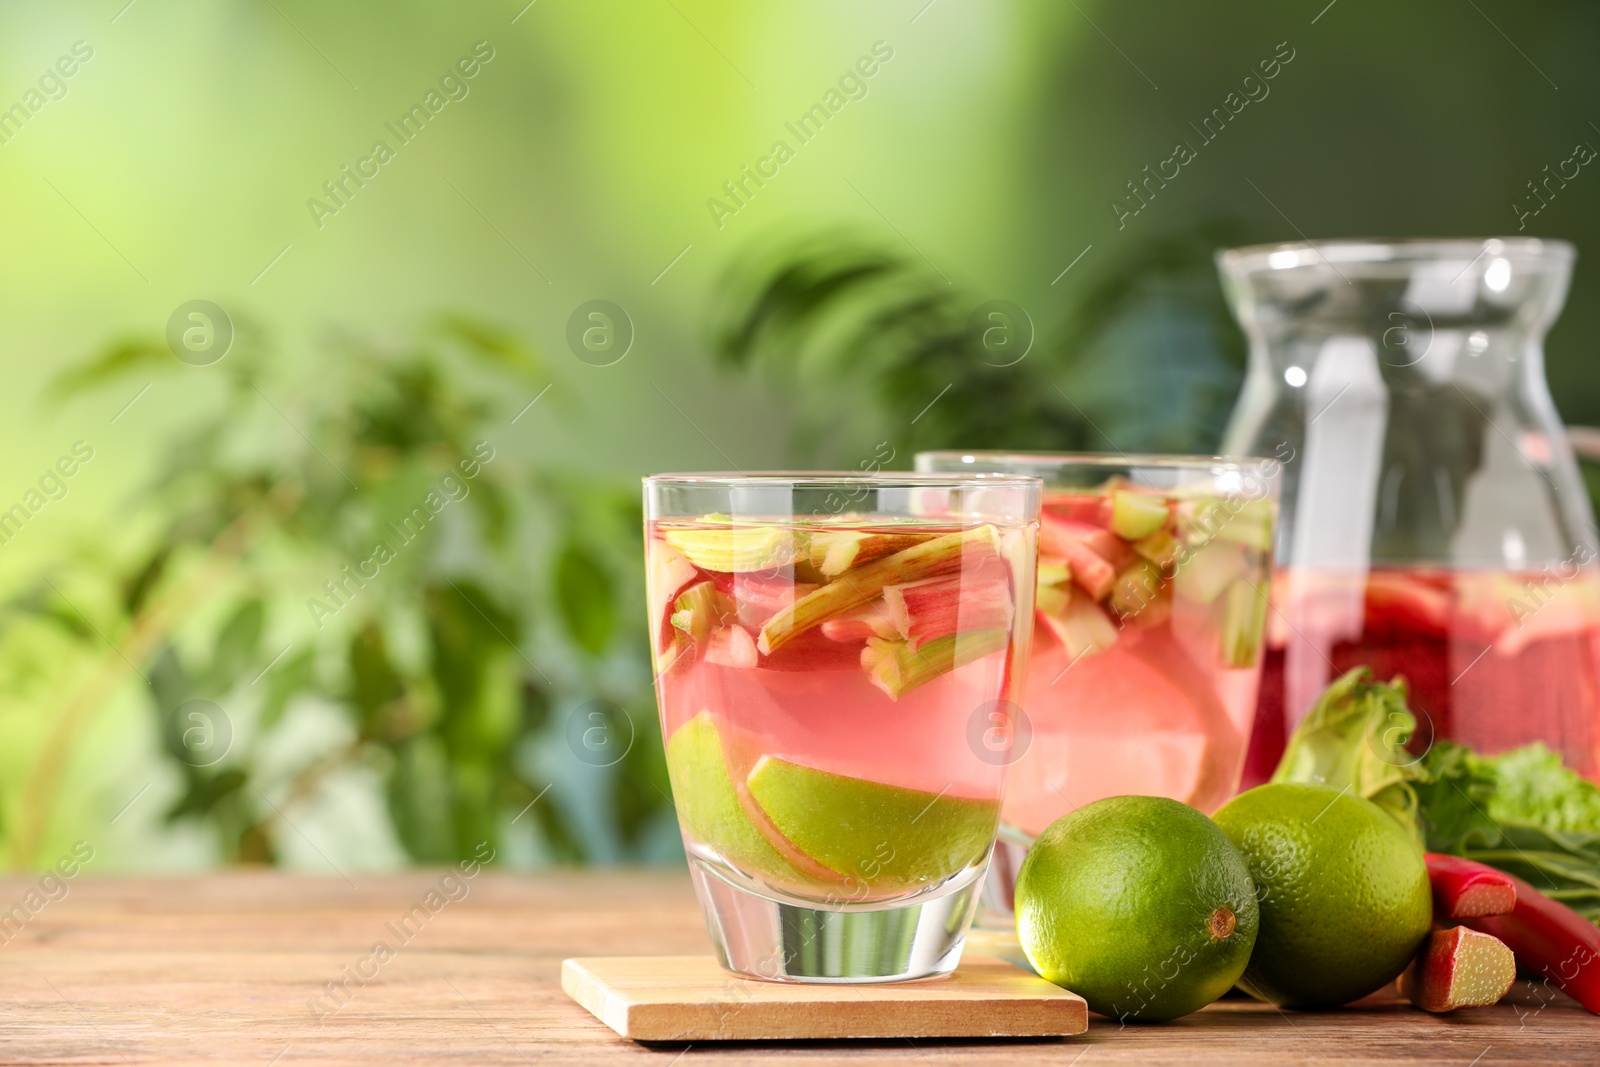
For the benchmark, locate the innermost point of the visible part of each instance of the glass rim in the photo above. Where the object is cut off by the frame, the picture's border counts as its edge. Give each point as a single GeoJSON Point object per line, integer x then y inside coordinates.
{"type": "Point", "coordinates": [1378, 251]}
{"type": "Point", "coordinates": [1155, 460]}
{"type": "Point", "coordinates": [887, 479]}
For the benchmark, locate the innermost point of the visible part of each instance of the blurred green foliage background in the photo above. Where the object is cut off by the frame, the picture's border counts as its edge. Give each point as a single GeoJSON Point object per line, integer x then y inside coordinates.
{"type": "Point", "coordinates": [169, 688]}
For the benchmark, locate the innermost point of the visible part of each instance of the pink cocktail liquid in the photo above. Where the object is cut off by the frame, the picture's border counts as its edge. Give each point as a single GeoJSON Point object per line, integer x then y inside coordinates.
{"type": "Point", "coordinates": [818, 710]}
{"type": "Point", "coordinates": [1142, 678]}
{"type": "Point", "coordinates": [1493, 659]}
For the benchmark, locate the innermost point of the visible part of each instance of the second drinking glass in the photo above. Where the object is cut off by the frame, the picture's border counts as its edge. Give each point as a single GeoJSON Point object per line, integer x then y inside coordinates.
{"type": "Point", "coordinates": [1151, 611]}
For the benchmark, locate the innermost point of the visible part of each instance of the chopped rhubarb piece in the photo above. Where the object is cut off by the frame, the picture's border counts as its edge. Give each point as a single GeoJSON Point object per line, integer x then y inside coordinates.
{"type": "Point", "coordinates": [1208, 572]}
{"type": "Point", "coordinates": [835, 551]}
{"type": "Point", "coordinates": [762, 594]}
{"type": "Point", "coordinates": [1094, 510]}
{"type": "Point", "coordinates": [734, 548]}
{"type": "Point", "coordinates": [1160, 548]}
{"type": "Point", "coordinates": [1399, 602]}
{"type": "Point", "coordinates": [1135, 515]}
{"type": "Point", "coordinates": [732, 646]}
{"type": "Point", "coordinates": [899, 666]}
{"type": "Point", "coordinates": [1083, 628]}
{"type": "Point", "coordinates": [1466, 889]}
{"type": "Point", "coordinates": [1136, 588]}
{"type": "Point", "coordinates": [1052, 599]}
{"type": "Point", "coordinates": [1460, 968]}
{"type": "Point", "coordinates": [935, 607]}
{"type": "Point", "coordinates": [1055, 571]}
{"type": "Point", "coordinates": [1244, 623]}
{"type": "Point", "coordinates": [856, 587]}
{"type": "Point", "coordinates": [1055, 534]}
{"type": "Point", "coordinates": [870, 621]}
{"type": "Point", "coordinates": [1247, 523]}
{"type": "Point", "coordinates": [670, 572]}
{"type": "Point", "coordinates": [1095, 555]}
{"type": "Point", "coordinates": [700, 609]}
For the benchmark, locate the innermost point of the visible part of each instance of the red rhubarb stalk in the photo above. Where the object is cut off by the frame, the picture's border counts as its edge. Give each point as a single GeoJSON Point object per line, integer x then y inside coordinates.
{"type": "Point", "coordinates": [1550, 940]}
{"type": "Point", "coordinates": [1465, 889]}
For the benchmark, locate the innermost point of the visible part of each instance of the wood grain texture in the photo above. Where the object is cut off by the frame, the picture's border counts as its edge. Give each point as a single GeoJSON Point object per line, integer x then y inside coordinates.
{"type": "Point", "coordinates": [691, 998]}
{"type": "Point", "coordinates": [227, 968]}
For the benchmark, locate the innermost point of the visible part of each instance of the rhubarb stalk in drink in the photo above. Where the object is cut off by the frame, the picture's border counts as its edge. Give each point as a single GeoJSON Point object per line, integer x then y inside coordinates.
{"type": "Point", "coordinates": [818, 680]}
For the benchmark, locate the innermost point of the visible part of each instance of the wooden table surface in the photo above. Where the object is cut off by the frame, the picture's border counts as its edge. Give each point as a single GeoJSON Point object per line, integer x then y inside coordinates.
{"type": "Point", "coordinates": [229, 968]}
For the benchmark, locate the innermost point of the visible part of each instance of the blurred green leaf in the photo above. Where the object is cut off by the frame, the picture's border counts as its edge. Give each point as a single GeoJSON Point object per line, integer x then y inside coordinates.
{"type": "Point", "coordinates": [420, 800]}
{"type": "Point", "coordinates": [237, 649]}
{"type": "Point", "coordinates": [423, 662]}
{"type": "Point", "coordinates": [115, 360]}
{"type": "Point", "coordinates": [375, 683]}
{"type": "Point", "coordinates": [586, 598]}
{"type": "Point", "coordinates": [205, 792]}
{"type": "Point", "coordinates": [500, 348]}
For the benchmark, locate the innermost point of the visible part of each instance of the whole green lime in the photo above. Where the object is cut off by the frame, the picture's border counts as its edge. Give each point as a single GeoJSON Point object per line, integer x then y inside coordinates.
{"type": "Point", "coordinates": [1140, 905]}
{"type": "Point", "coordinates": [1343, 891]}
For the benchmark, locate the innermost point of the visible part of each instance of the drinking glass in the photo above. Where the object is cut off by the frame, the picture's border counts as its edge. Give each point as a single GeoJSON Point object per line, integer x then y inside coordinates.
{"type": "Point", "coordinates": [1150, 616]}
{"type": "Point", "coordinates": [1435, 523]}
{"type": "Point", "coordinates": [831, 652]}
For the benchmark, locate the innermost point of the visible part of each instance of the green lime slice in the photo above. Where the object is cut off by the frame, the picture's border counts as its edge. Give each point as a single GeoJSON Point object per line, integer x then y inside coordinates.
{"type": "Point", "coordinates": [881, 836]}
{"type": "Point", "coordinates": [708, 805]}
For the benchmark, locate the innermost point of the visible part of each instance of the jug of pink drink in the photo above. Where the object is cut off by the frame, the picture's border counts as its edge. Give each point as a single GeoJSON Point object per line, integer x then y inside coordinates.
{"type": "Point", "coordinates": [1434, 521]}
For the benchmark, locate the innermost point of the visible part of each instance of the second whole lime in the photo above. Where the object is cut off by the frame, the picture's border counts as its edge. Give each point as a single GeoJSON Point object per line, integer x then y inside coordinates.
{"type": "Point", "coordinates": [1140, 905]}
{"type": "Point", "coordinates": [1343, 891]}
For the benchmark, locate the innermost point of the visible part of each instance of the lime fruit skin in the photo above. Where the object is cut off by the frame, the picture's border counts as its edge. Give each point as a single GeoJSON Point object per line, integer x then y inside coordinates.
{"type": "Point", "coordinates": [1140, 905]}
{"type": "Point", "coordinates": [1343, 890]}
{"type": "Point", "coordinates": [709, 806]}
{"type": "Point", "coordinates": [882, 836]}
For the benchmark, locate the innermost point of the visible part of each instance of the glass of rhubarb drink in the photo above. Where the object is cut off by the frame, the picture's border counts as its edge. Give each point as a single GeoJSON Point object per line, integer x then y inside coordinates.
{"type": "Point", "coordinates": [1149, 616]}
{"type": "Point", "coordinates": [830, 651]}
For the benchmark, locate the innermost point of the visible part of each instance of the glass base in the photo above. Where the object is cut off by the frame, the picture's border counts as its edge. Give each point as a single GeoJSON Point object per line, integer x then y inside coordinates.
{"type": "Point", "coordinates": [762, 936]}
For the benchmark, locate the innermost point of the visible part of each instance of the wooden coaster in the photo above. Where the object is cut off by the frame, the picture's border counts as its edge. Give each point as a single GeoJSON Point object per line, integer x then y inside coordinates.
{"type": "Point", "coordinates": [691, 998]}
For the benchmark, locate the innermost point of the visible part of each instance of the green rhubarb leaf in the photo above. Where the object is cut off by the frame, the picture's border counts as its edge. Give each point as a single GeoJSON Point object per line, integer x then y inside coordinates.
{"type": "Point", "coordinates": [1354, 738]}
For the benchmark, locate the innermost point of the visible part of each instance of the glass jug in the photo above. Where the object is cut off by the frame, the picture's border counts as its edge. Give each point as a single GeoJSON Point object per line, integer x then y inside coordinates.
{"type": "Point", "coordinates": [1434, 522]}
